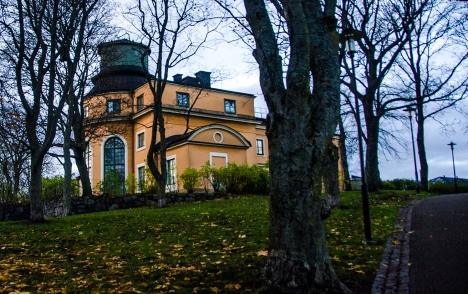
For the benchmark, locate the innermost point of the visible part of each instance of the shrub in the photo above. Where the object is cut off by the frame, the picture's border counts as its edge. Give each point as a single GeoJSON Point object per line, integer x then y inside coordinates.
{"type": "Point", "coordinates": [131, 184]}
{"type": "Point", "coordinates": [448, 188]}
{"type": "Point", "coordinates": [236, 179]}
{"type": "Point", "coordinates": [190, 179]}
{"type": "Point", "coordinates": [112, 184]}
{"type": "Point", "coordinates": [399, 184]}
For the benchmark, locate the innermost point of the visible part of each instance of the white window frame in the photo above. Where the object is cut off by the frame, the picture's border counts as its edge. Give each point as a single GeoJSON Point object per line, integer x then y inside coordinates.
{"type": "Point", "coordinates": [144, 140]}
{"type": "Point", "coordinates": [172, 187]}
{"type": "Point", "coordinates": [218, 154]}
{"type": "Point", "coordinates": [141, 165]}
{"type": "Point", "coordinates": [89, 163]}
{"type": "Point", "coordinates": [263, 146]}
{"type": "Point", "coordinates": [86, 111]}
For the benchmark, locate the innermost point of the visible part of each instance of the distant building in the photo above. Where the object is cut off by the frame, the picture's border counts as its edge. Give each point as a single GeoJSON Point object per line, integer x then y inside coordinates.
{"type": "Point", "coordinates": [447, 180]}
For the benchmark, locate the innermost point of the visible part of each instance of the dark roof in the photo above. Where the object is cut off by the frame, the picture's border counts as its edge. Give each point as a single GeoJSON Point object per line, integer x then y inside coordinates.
{"type": "Point", "coordinates": [175, 139]}
{"type": "Point", "coordinates": [121, 41]}
{"type": "Point", "coordinates": [119, 78]}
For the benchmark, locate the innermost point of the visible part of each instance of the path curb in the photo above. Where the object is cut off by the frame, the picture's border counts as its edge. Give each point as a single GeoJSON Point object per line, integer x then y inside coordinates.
{"type": "Point", "coordinates": [393, 275]}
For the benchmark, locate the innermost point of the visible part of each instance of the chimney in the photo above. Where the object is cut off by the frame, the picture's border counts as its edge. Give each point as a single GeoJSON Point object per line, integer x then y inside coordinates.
{"type": "Point", "coordinates": [177, 78]}
{"type": "Point", "coordinates": [204, 76]}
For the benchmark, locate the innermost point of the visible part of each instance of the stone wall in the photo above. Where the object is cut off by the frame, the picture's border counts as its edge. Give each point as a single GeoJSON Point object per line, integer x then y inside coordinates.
{"type": "Point", "coordinates": [81, 205]}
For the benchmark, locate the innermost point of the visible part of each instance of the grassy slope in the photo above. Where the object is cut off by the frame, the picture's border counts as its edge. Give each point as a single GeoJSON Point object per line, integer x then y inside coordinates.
{"type": "Point", "coordinates": [215, 246]}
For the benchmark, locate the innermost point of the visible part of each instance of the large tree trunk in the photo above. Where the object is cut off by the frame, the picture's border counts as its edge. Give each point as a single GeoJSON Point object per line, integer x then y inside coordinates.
{"type": "Point", "coordinates": [298, 125]}
{"type": "Point", "coordinates": [298, 256]}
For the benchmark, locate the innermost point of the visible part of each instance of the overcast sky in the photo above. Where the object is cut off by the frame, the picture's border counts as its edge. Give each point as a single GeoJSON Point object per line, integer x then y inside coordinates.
{"type": "Point", "coordinates": [239, 63]}
{"type": "Point", "coordinates": [236, 60]}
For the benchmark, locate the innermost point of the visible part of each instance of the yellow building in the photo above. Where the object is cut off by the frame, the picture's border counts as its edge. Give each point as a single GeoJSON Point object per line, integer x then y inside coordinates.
{"type": "Point", "coordinates": [203, 124]}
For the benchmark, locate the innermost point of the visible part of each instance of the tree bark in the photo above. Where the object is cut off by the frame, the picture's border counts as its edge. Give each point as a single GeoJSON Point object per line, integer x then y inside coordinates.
{"type": "Point", "coordinates": [343, 157]}
{"type": "Point", "coordinates": [424, 183]}
{"type": "Point", "coordinates": [83, 171]}
{"type": "Point", "coordinates": [299, 124]}
{"type": "Point", "coordinates": [372, 154]}
{"type": "Point", "coordinates": [330, 176]}
{"type": "Point", "coordinates": [35, 189]}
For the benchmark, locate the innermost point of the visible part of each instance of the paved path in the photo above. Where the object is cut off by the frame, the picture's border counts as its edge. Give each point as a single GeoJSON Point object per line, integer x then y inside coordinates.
{"type": "Point", "coordinates": [428, 250]}
{"type": "Point", "coordinates": [439, 245]}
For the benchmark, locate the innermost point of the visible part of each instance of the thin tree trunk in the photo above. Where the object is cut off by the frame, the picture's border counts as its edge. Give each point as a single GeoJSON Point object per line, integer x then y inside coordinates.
{"type": "Point", "coordinates": [67, 165]}
{"type": "Point", "coordinates": [35, 189]}
{"type": "Point", "coordinates": [424, 183]}
{"type": "Point", "coordinates": [343, 157]}
{"type": "Point", "coordinates": [83, 171]}
{"type": "Point", "coordinates": [372, 155]}
{"type": "Point", "coordinates": [330, 176]}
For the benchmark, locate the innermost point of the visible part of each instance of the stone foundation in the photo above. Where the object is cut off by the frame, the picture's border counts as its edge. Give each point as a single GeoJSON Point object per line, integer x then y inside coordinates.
{"type": "Point", "coordinates": [81, 205]}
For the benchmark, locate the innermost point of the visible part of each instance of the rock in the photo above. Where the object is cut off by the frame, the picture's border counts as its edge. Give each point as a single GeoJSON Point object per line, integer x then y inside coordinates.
{"type": "Point", "coordinates": [114, 206]}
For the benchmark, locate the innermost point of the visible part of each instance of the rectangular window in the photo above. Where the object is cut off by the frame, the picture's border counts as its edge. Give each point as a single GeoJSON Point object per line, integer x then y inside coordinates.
{"type": "Point", "coordinates": [140, 102]}
{"type": "Point", "coordinates": [260, 150]}
{"type": "Point", "coordinates": [85, 111]}
{"type": "Point", "coordinates": [141, 178]}
{"type": "Point", "coordinates": [113, 106]}
{"type": "Point", "coordinates": [140, 140]}
{"type": "Point", "coordinates": [230, 106]}
{"type": "Point", "coordinates": [183, 99]}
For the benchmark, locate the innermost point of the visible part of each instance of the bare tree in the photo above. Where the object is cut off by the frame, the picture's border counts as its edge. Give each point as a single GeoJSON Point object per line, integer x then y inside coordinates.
{"type": "Point", "coordinates": [176, 30]}
{"type": "Point", "coordinates": [429, 70]}
{"type": "Point", "coordinates": [36, 37]}
{"type": "Point", "coordinates": [386, 26]}
{"type": "Point", "coordinates": [89, 19]}
{"type": "Point", "coordinates": [295, 46]}
{"type": "Point", "coordinates": [14, 155]}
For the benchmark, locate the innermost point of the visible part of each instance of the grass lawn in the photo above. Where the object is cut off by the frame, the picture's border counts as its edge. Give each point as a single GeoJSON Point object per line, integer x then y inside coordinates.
{"type": "Point", "coordinates": [217, 246]}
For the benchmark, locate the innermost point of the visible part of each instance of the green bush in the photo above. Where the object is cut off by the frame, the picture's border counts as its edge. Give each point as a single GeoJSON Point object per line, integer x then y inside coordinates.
{"type": "Point", "coordinates": [236, 179]}
{"type": "Point", "coordinates": [448, 188]}
{"type": "Point", "coordinates": [190, 179]}
{"type": "Point", "coordinates": [131, 184]}
{"type": "Point", "coordinates": [399, 184]}
{"type": "Point", "coordinates": [112, 184]}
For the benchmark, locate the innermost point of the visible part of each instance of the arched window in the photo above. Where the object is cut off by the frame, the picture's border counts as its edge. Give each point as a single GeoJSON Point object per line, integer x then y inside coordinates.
{"type": "Point", "coordinates": [114, 166]}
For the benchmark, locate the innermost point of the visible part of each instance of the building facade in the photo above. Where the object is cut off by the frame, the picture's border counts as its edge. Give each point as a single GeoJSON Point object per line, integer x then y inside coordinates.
{"type": "Point", "coordinates": [203, 124]}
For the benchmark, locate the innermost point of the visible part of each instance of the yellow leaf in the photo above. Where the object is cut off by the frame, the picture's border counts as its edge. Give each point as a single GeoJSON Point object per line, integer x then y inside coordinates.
{"type": "Point", "coordinates": [242, 236]}
{"type": "Point", "coordinates": [237, 286]}
{"type": "Point", "coordinates": [215, 290]}
{"type": "Point", "coordinates": [262, 253]}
